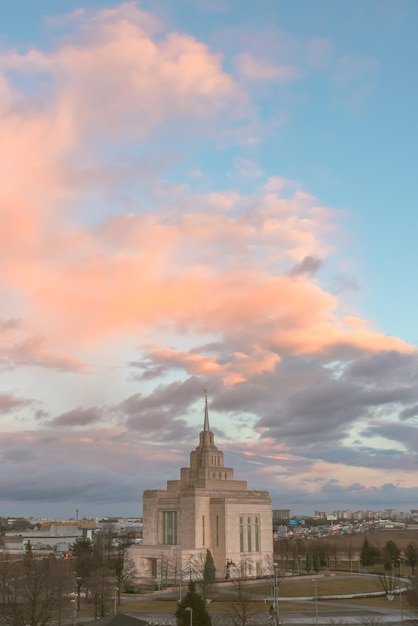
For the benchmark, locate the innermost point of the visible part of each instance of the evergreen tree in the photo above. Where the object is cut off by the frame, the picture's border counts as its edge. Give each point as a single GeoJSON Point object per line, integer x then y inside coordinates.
{"type": "Point", "coordinates": [391, 555]}
{"type": "Point", "coordinates": [411, 554]}
{"type": "Point", "coordinates": [309, 562]}
{"type": "Point", "coordinates": [198, 615]}
{"type": "Point", "coordinates": [209, 574]}
{"type": "Point", "coordinates": [369, 554]}
{"type": "Point", "coordinates": [82, 552]}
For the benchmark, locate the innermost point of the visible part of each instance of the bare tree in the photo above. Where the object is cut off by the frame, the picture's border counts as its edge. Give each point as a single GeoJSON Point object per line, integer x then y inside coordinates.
{"type": "Point", "coordinates": [123, 567]}
{"type": "Point", "coordinates": [412, 598]}
{"type": "Point", "coordinates": [388, 584]}
{"type": "Point", "coordinates": [38, 591]}
{"type": "Point", "coordinates": [370, 620]}
{"type": "Point", "coordinates": [243, 609]}
{"type": "Point", "coordinates": [5, 578]}
{"type": "Point", "coordinates": [102, 590]}
{"type": "Point", "coordinates": [83, 555]}
{"type": "Point", "coordinates": [101, 580]}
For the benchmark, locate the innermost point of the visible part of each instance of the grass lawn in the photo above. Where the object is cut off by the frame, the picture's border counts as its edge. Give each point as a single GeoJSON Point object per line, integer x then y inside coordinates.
{"type": "Point", "coordinates": [223, 597]}
{"type": "Point", "coordinates": [325, 586]}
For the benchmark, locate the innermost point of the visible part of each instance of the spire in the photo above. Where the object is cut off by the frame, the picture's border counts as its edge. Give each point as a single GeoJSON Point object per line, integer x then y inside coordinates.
{"type": "Point", "coordinates": [206, 422]}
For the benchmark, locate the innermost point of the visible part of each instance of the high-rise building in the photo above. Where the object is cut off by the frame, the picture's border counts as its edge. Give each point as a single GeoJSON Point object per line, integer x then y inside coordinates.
{"type": "Point", "coordinates": [206, 509]}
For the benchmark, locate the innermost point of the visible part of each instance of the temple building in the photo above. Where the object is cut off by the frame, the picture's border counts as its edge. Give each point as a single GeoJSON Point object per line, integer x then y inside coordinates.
{"type": "Point", "coordinates": [206, 509]}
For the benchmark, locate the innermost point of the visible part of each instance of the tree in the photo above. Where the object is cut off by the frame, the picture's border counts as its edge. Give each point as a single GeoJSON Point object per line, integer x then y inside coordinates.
{"type": "Point", "coordinates": [195, 602]}
{"type": "Point", "coordinates": [102, 589]}
{"type": "Point", "coordinates": [388, 584]}
{"type": "Point", "coordinates": [5, 577]}
{"type": "Point", "coordinates": [82, 551]}
{"type": "Point", "coordinates": [209, 574]}
{"type": "Point", "coordinates": [391, 554]}
{"type": "Point", "coordinates": [317, 563]}
{"type": "Point", "coordinates": [412, 596]}
{"type": "Point", "coordinates": [369, 554]}
{"type": "Point", "coordinates": [297, 546]}
{"type": "Point", "coordinates": [370, 620]}
{"type": "Point", "coordinates": [411, 555]}
{"type": "Point", "coordinates": [114, 547]}
{"type": "Point", "coordinates": [309, 562]}
{"type": "Point", "coordinates": [38, 591]}
{"type": "Point", "coordinates": [101, 579]}
{"type": "Point", "coordinates": [243, 611]}
{"type": "Point", "coordinates": [124, 570]}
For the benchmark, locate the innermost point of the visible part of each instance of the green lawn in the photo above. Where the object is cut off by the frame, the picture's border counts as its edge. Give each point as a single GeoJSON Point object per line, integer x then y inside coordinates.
{"type": "Point", "coordinates": [292, 588]}
{"type": "Point", "coordinates": [299, 587]}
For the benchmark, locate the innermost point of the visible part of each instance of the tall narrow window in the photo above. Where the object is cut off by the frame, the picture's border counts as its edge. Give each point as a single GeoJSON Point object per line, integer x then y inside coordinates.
{"type": "Point", "coordinates": [249, 534]}
{"type": "Point", "coordinates": [217, 530]}
{"type": "Point", "coordinates": [241, 535]}
{"type": "Point", "coordinates": [170, 527]}
{"type": "Point", "coordinates": [203, 530]}
{"type": "Point", "coordinates": [257, 535]}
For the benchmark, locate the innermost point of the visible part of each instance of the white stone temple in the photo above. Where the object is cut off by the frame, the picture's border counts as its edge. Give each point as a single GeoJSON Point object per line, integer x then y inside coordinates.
{"type": "Point", "coordinates": [206, 509]}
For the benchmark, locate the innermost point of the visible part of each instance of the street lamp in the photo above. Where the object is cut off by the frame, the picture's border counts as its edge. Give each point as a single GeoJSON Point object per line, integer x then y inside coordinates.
{"type": "Point", "coordinates": [316, 603]}
{"type": "Point", "coordinates": [181, 578]}
{"type": "Point", "coordinates": [275, 595]}
{"type": "Point", "coordinates": [116, 599]}
{"type": "Point", "coordinates": [190, 608]}
{"type": "Point", "coordinates": [400, 589]}
{"type": "Point", "coordinates": [76, 595]}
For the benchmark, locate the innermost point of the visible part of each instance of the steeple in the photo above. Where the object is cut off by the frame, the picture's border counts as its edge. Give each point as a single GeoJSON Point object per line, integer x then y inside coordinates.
{"type": "Point", "coordinates": [207, 463]}
{"type": "Point", "coordinates": [206, 421]}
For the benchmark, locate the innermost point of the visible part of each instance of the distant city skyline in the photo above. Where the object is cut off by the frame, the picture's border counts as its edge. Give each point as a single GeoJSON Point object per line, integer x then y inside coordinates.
{"type": "Point", "coordinates": [195, 196]}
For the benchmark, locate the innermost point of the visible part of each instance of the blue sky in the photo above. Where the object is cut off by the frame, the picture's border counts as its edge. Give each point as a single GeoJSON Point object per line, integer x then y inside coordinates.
{"type": "Point", "coordinates": [196, 196]}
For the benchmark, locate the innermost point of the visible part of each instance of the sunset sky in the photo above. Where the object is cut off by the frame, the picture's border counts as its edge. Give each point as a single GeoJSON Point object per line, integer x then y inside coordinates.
{"type": "Point", "coordinates": [208, 194]}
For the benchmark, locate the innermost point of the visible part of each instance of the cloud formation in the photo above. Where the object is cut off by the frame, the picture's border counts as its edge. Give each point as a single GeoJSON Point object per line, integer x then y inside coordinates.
{"type": "Point", "coordinates": [125, 292]}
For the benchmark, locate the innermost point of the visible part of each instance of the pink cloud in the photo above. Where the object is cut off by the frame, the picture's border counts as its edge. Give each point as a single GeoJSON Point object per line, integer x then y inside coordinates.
{"type": "Point", "coordinates": [210, 274]}
{"type": "Point", "coordinates": [213, 264]}
{"type": "Point", "coordinates": [117, 78]}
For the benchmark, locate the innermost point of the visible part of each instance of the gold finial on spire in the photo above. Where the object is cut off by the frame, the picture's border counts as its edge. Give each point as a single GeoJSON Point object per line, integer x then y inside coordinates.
{"type": "Point", "coordinates": [206, 394]}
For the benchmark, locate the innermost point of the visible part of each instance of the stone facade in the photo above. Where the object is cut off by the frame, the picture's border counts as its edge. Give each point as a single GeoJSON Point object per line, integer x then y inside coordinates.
{"type": "Point", "coordinates": [206, 509]}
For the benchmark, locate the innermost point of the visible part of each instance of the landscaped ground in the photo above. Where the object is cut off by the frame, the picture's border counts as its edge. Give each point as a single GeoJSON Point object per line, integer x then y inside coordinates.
{"type": "Point", "coordinates": [224, 596]}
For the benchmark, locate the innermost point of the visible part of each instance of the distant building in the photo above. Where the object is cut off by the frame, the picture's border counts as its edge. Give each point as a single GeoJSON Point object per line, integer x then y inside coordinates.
{"type": "Point", "coordinates": [57, 538]}
{"type": "Point", "coordinates": [206, 509]}
{"type": "Point", "coordinates": [280, 516]}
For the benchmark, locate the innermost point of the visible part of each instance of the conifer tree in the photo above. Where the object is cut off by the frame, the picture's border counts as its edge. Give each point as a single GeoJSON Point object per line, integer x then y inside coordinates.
{"type": "Point", "coordinates": [369, 554]}
{"type": "Point", "coordinates": [209, 574]}
{"type": "Point", "coordinates": [411, 554]}
{"type": "Point", "coordinates": [198, 615]}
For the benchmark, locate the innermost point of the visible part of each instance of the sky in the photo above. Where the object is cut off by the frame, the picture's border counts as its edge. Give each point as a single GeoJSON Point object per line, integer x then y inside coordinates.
{"type": "Point", "coordinates": [208, 194]}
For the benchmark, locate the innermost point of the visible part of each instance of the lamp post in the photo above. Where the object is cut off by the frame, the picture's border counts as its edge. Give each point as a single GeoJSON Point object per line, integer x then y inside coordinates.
{"type": "Point", "coordinates": [275, 595]}
{"type": "Point", "coordinates": [75, 609]}
{"type": "Point", "coordinates": [400, 589]}
{"type": "Point", "coordinates": [116, 599]}
{"type": "Point", "coordinates": [76, 596]}
{"type": "Point", "coordinates": [316, 603]}
{"type": "Point", "coordinates": [189, 608]}
{"type": "Point", "coordinates": [181, 578]}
